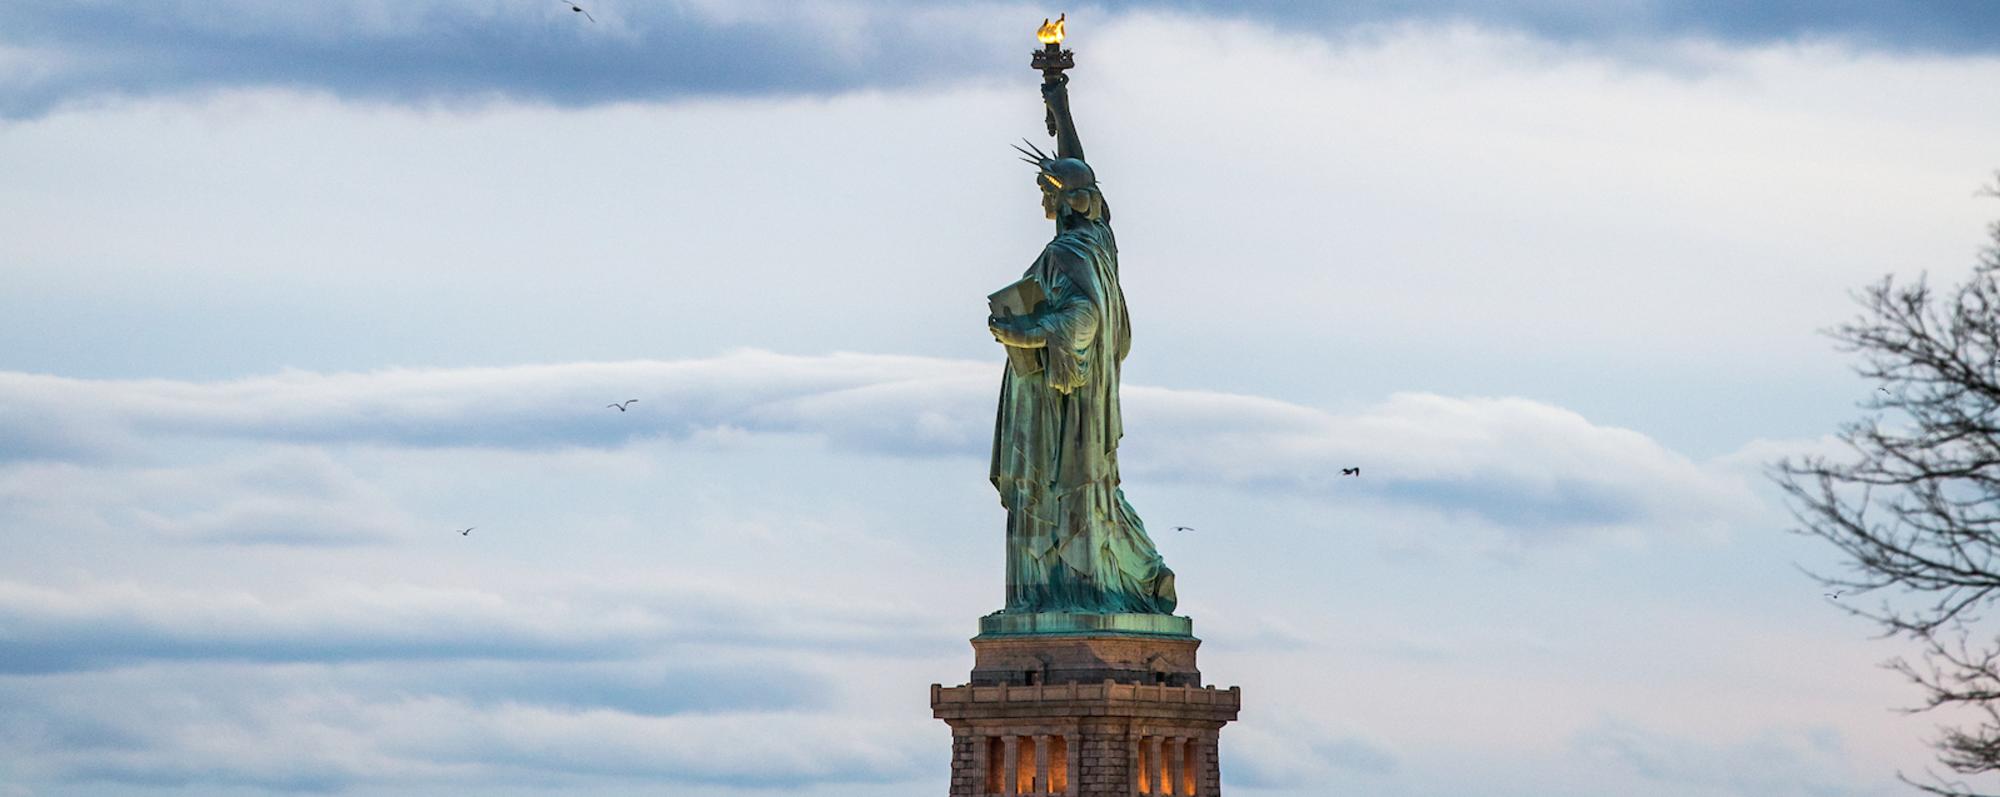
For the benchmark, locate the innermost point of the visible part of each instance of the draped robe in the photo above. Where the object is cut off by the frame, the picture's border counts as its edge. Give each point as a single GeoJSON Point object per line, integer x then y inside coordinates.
{"type": "Point", "coordinates": [1073, 542]}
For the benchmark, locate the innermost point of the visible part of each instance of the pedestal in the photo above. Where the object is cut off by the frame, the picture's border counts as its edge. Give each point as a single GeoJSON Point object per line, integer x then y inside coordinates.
{"type": "Point", "coordinates": [1085, 715]}
{"type": "Point", "coordinates": [1055, 658]}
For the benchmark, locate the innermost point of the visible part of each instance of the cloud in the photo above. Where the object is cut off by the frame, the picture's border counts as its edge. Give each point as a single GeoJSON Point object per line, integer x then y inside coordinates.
{"type": "Point", "coordinates": [768, 751]}
{"type": "Point", "coordinates": [1357, 755]}
{"type": "Point", "coordinates": [346, 684]}
{"type": "Point", "coordinates": [1757, 456]}
{"type": "Point", "coordinates": [1809, 762]}
{"type": "Point", "coordinates": [1928, 25]}
{"type": "Point", "coordinates": [1290, 752]}
{"type": "Point", "coordinates": [278, 495]}
{"type": "Point", "coordinates": [454, 51]}
{"type": "Point", "coordinates": [100, 625]}
{"type": "Point", "coordinates": [95, 626]}
{"type": "Point", "coordinates": [659, 685]}
{"type": "Point", "coordinates": [1512, 463]}
{"type": "Point", "coordinates": [298, 731]}
{"type": "Point", "coordinates": [528, 407]}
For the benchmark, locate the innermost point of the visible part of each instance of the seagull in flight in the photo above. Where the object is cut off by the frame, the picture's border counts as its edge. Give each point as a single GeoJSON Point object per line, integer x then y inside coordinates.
{"type": "Point", "coordinates": [1834, 594]}
{"type": "Point", "coordinates": [1183, 528]}
{"type": "Point", "coordinates": [578, 9]}
{"type": "Point", "coordinates": [621, 405]}
{"type": "Point", "coordinates": [1350, 471]}
{"type": "Point", "coordinates": [467, 531]}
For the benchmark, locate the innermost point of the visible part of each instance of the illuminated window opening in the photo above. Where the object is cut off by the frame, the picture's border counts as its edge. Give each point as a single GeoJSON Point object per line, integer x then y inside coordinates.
{"type": "Point", "coordinates": [1058, 765]}
{"type": "Point", "coordinates": [1024, 767]}
{"type": "Point", "coordinates": [1145, 767]}
{"type": "Point", "coordinates": [996, 757]}
{"type": "Point", "coordinates": [1188, 759]}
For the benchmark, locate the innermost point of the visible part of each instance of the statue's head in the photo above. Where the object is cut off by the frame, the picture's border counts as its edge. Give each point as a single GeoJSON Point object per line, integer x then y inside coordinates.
{"type": "Point", "coordinates": [1069, 187]}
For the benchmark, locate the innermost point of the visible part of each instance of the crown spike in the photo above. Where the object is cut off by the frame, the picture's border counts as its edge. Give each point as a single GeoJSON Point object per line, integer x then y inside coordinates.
{"type": "Point", "coordinates": [1035, 159]}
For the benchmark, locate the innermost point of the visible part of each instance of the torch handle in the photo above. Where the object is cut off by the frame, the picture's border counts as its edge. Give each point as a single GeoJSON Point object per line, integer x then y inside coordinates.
{"type": "Point", "coordinates": [1055, 95]}
{"type": "Point", "coordinates": [1052, 59]}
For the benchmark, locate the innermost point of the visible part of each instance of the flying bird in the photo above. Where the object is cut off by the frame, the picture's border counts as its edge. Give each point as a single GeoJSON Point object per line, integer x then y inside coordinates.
{"type": "Point", "coordinates": [621, 405]}
{"type": "Point", "coordinates": [578, 9]}
{"type": "Point", "coordinates": [1183, 528]}
{"type": "Point", "coordinates": [1350, 471]}
{"type": "Point", "coordinates": [467, 531]}
{"type": "Point", "coordinates": [1834, 594]}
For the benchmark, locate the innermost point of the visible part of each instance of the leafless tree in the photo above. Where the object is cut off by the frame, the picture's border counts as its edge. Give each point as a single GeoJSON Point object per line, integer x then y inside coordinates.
{"type": "Point", "coordinates": [1914, 505]}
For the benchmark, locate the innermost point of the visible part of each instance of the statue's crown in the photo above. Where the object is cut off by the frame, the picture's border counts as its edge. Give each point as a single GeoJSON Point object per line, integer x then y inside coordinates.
{"type": "Point", "coordinates": [1062, 174]}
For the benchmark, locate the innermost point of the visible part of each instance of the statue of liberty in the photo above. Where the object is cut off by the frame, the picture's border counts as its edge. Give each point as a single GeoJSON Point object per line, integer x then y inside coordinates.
{"type": "Point", "coordinates": [1073, 543]}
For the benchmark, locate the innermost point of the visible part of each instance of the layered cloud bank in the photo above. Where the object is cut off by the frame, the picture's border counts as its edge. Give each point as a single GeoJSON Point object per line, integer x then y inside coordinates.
{"type": "Point", "coordinates": [1513, 463]}
{"type": "Point", "coordinates": [429, 51]}
{"type": "Point", "coordinates": [741, 582]}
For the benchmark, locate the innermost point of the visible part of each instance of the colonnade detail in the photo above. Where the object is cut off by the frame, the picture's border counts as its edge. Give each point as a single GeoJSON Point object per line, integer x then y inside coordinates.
{"type": "Point", "coordinates": [1085, 740]}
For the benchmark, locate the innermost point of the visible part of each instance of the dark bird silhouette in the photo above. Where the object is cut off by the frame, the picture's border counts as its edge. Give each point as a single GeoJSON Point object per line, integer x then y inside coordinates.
{"type": "Point", "coordinates": [1183, 528]}
{"type": "Point", "coordinates": [620, 406]}
{"type": "Point", "coordinates": [467, 531]}
{"type": "Point", "coordinates": [1834, 594]}
{"type": "Point", "coordinates": [1350, 471]}
{"type": "Point", "coordinates": [1883, 389]}
{"type": "Point", "coordinates": [578, 9]}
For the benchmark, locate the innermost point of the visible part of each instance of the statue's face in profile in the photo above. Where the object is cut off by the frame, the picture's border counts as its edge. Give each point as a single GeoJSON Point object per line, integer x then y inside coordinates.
{"type": "Point", "coordinates": [1066, 181]}
{"type": "Point", "coordinates": [1053, 199]}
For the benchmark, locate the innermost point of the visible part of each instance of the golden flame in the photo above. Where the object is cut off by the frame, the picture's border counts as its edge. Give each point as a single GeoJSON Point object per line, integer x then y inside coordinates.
{"type": "Point", "coordinates": [1051, 32]}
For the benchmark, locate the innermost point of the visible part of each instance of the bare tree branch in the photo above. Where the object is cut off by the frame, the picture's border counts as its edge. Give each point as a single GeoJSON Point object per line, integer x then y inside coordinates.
{"type": "Point", "coordinates": [1914, 508]}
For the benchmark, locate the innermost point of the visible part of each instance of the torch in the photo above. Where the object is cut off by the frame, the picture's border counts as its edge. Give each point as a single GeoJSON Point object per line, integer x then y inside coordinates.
{"type": "Point", "coordinates": [1052, 59]}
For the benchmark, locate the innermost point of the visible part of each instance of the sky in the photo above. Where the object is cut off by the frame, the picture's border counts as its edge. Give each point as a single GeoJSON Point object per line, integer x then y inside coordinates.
{"type": "Point", "coordinates": [291, 293]}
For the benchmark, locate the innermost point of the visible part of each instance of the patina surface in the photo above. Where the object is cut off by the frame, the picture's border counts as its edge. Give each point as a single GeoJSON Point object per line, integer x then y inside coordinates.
{"type": "Point", "coordinates": [1074, 544]}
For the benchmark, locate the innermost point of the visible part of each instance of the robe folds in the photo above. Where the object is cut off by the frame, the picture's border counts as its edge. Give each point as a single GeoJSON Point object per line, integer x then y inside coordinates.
{"type": "Point", "coordinates": [1073, 542]}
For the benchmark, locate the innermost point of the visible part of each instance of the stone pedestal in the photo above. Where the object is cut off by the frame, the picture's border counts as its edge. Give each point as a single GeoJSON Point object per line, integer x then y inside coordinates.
{"type": "Point", "coordinates": [1085, 715]}
{"type": "Point", "coordinates": [1028, 659]}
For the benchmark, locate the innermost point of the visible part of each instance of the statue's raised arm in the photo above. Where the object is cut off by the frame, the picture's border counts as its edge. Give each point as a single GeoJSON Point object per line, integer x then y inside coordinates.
{"type": "Point", "coordinates": [1055, 94]}
{"type": "Point", "coordinates": [1053, 60]}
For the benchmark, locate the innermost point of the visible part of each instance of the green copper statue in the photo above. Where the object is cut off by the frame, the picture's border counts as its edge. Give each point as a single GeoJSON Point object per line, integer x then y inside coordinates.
{"type": "Point", "coordinates": [1073, 543]}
